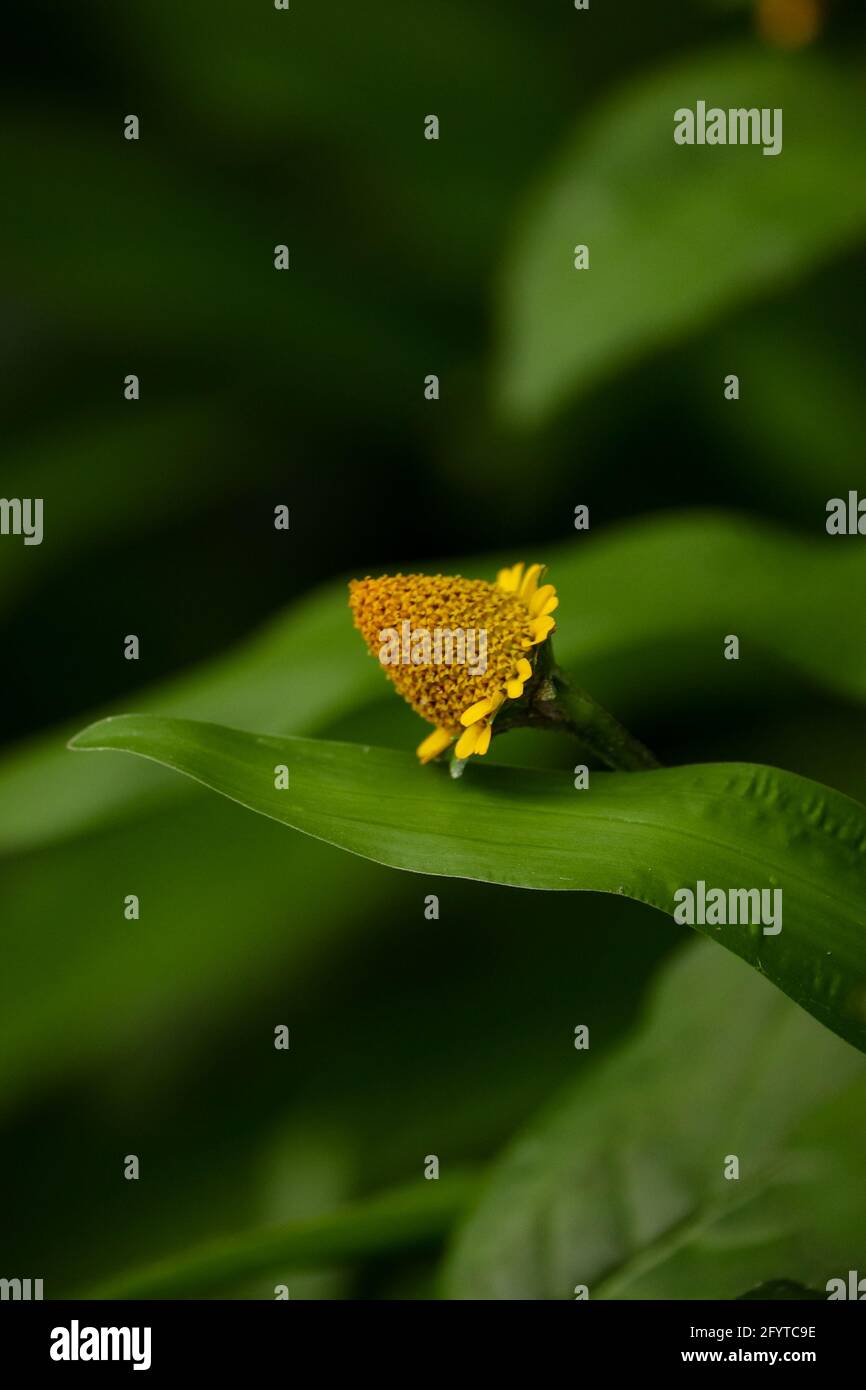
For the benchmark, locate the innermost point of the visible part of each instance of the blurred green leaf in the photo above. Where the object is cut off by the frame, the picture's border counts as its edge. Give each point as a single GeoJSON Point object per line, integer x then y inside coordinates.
{"type": "Point", "coordinates": [643, 614]}
{"type": "Point", "coordinates": [678, 235]}
{"type": "Point", "coordinates": [643, 835]}
{"type": "Point", "coordinates": [621, 1185]}
{"type": "Point", "coordinates": [801, 417]}
{"type": "Point", "coordinates": [265, 683]}
{"type": "Point", "coordinates": [414, 1218]}
{"type": "Point", "coordinates": [216, 920]}
{"type": "Point", "coordinates": [782, 1291]}
{"type": "Point", "coordinates": [156, 1027]}
{"type": "Point", "coordinates": [196, 452]}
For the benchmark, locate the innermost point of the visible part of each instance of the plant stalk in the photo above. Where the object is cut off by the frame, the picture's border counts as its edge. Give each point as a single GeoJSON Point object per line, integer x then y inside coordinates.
{"type": "Point", "coordinates": [555, 703]}
{"type": "Point", "coordinates": [597, 729]}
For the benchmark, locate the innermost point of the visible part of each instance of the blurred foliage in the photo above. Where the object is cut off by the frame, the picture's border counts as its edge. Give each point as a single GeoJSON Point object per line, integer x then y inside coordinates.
{"type": "Point", "coordinates": [678, 235]}
{"type": "Point", "coordinates": [626, 1186]}
{"type": "Point", "coordinates": [405, 1220]}
{"type": "Point", "coordinates": [797, 605]}
{"type": "Point", "coordinates": [642, 837]}
{"type": "Point", "coordinates": [258, 127]}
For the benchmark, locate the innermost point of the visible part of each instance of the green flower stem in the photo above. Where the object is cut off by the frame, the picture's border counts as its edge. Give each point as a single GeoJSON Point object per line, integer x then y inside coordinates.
{"type": "Point", "coordinates": [589, 721]}
{"type": "Point", "coordinates": [555, 703]}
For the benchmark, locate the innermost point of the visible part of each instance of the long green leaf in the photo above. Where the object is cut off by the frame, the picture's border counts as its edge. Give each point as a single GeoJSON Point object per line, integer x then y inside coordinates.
{"type": "Point", "coordinates": [621, 1186]}
{"type": "Point", "coordinates": [643, 835]}
{"type": "Point", "coordinates": [409, 1220]}
{"type": "Point", "coordinates": [643, 631]}
{"type": "Point", "coordinates": [677, 234]}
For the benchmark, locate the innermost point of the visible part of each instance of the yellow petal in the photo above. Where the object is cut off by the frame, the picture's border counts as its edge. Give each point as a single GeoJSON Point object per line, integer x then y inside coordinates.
{"type": "Point", "coordinates": [433, 744]}
{"type": "Point", "coordinates": [540, 627]}
{"type": "Point", "coordinates": [544, 600]}
{"type": "Point", "coordinates": [509, 579]}
{"type": "Point", "coordinates": [476, 711]}
{"type": "Point", "coordinates": [483, 743]}
{"type": "Point", "coordinates": [514, 687]}
{"type": "Point", "coordinates": [530, 582]}
{"type": "Point", "coordinates": [468, 740]}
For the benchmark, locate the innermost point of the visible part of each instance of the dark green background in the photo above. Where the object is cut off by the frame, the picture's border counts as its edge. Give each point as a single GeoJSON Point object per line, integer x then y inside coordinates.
{"type": "Point", "coordinates": [157, 258]}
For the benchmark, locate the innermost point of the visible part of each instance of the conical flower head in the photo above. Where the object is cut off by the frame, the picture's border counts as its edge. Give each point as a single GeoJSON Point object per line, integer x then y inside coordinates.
{"type": "Point", "coordinates": [456, 649]}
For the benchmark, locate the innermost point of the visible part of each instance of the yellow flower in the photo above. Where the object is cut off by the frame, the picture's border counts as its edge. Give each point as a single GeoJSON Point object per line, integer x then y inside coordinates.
{"type": "Point", "coordinates": [790, 23]}
{"type": "Point", "coordinates": [456, 649]}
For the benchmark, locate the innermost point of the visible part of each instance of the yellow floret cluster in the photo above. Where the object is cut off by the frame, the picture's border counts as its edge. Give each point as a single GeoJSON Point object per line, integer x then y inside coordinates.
{"type": "Point", "coordinates": [459, 700]}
